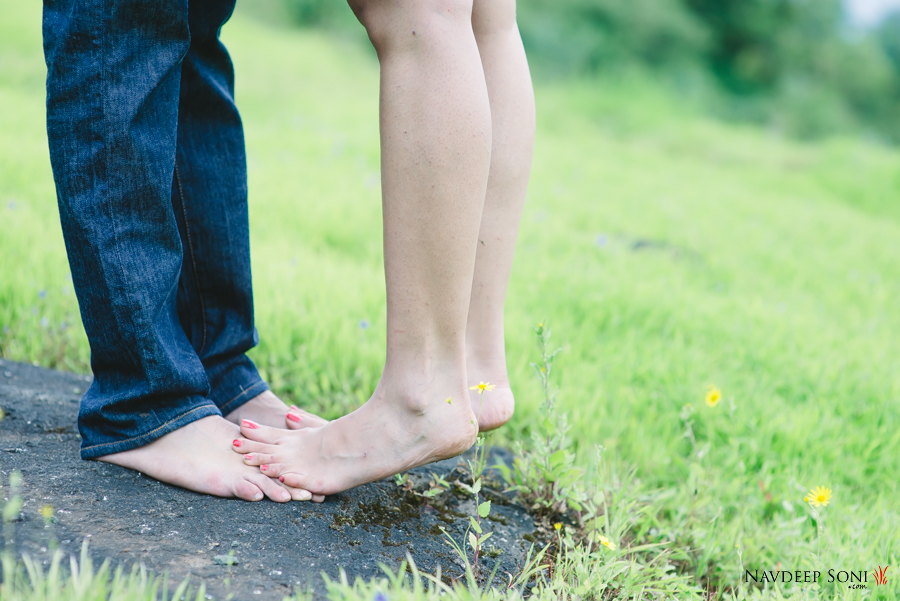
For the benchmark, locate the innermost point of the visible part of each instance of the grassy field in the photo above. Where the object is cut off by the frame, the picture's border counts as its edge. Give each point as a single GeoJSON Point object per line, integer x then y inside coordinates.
{"type": "Point", "coordinates": [667, 252]}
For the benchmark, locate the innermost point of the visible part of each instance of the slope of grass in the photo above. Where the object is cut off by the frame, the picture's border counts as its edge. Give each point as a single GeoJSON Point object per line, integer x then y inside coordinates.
{"type": "Point", "coordinates": [667, 251]}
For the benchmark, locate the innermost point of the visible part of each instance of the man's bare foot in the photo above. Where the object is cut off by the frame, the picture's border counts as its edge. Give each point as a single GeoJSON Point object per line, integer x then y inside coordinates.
{"type": "Point", "coordinates": [267, 409]}
{"type": "Point", "coordinates": [381, 438]}
{"type": "Point", "coordinates": [196, 457]}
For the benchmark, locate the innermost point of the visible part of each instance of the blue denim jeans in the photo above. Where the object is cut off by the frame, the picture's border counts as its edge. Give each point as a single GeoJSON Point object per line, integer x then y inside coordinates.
{"type": "Point", "coordinates": [148, 158]}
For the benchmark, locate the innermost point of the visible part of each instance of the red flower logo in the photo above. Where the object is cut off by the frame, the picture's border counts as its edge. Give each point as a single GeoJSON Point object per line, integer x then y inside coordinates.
{"type": "Point", "coordinates": [881, 575]}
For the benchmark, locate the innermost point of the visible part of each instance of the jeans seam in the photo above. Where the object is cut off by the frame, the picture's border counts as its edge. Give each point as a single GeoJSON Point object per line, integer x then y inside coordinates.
{"type": "Point", "coordinates": [190, 251]}
{"type": "Point", "coordinates": [104, 164]}
{"type": "Point", "coordinates": [146, 434]}
{"type": "Point", "coordinates": [249, 389]}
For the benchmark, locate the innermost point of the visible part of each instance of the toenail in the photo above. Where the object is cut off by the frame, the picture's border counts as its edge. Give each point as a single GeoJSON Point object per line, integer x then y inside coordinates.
{"type": "Point", "coordinates": [249, 424]}
{"type": "Point", "coordinates": [236, 442]}
{"type": "Point", "coordinates": [264, 467]}
{"type": "Point", "coordinates": [248, 456]}
{"type": "Point", "coordinates": [293, 418]}
{"type": "Point", "coordinates": [281, 478]}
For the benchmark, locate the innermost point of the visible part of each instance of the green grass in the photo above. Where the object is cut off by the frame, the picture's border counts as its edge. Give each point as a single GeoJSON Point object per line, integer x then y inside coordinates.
{"type": "Point", "coordinates": [667, 251]}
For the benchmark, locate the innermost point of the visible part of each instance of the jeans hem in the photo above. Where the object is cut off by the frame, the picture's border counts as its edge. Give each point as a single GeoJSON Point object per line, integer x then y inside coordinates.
{"type": "Point", "coordinates": [118, 446]}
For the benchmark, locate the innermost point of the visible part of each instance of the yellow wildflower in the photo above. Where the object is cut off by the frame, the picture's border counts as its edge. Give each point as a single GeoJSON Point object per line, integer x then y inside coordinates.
{"type": "Point", "coordinates": [483, 387]}
{"type": "Point", "coordinates": [606, 542]}
{"type": "Point", "coordinates": [820, 496]}
{"type": "Point", "coordinates": [713, 396]}
{"type": "Point", "coordinates": [557, 526]}
{"type": "Point", "coordinates": [47, 512]}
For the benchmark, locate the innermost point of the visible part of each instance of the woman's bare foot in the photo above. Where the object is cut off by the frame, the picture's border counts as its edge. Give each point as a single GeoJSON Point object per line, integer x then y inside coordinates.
{"type": "Point", "coordinates": [381, 438]}
{"type": "Point", "coordinates": [196, 457]}
{"type": "Point", "coordinates": [267, 409]}
{"type": "Point", "coordinates": [493, 407]}
{"type": "Point", "coordinates": [494, 403]}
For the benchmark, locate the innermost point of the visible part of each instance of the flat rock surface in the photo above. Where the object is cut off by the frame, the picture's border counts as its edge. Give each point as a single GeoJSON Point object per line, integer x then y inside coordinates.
{"type": "Point", "coordinates": [243, 550]}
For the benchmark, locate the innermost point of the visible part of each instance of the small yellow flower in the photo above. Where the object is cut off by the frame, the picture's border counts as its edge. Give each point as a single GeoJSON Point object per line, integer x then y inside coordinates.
{"type": "Point", "coordinates": [606, 542]}
{"type": "Point", "coordinates": [713, 396]}
{"type": "Point", "coordinates": [820, 496]}
{"type": "Point", "coordinates": [483, 387]}
{"type": "Point", "coordinates": [47, 512]}
{"type": "Point", "coordinates": [557, 526]}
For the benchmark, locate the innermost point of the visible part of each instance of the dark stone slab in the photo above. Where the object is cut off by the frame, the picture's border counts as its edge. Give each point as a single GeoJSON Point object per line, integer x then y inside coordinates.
{"type": "Point", "coordinates": [248, 550]}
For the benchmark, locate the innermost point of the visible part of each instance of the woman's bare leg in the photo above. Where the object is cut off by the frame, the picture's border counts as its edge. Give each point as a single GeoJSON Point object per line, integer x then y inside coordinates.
{"type": "Point", "coordinates": [512, 117]}
{"type": "Point", "coordinates": [436, 145]}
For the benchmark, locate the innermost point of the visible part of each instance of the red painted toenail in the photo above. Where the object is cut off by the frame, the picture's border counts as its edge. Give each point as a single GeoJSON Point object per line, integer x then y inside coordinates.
{"type": "Point", "coordinates": [248, 456]}
{"type": "Point", "coordinates": [293, 418]}
{"type": "Point", "coordinates": [281, 478]}
{"type": "Point", "coordinates": [236, 442]}
{"type": "Point", "coordinates": [249, 424]}
{"type": "Point", "coordinates": [264, 467]}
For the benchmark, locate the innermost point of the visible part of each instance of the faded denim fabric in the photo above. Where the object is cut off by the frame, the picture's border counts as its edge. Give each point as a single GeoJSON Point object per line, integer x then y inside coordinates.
{"type": "Point", "coordinates": [148, 158]}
